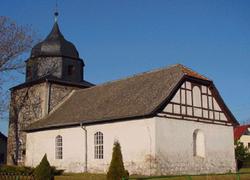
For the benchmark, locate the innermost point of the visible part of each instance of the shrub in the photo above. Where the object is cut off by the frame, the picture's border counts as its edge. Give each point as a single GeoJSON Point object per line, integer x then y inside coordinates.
{"type": "Point", "coordinates": [43, 171]}
{"type": "Point", "coordinates": [16, 170]}
{"type": "Point", "coordinates": [56, 172]}
{"type": "Point", "coordinates": [241, 153]}
{"type": "Point", "coordinates": [116, 169]}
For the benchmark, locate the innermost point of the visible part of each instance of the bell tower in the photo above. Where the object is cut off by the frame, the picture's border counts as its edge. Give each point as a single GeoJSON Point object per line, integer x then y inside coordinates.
{"type": "Point", "coordinates": [53, 70]}
{"type": "Point", "coordinates": [55, 57]}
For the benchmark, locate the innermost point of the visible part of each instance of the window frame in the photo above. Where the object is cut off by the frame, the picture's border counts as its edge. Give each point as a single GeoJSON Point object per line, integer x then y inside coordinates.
{"type": "Point", "coordinates": [58, 147]}
{"type": "Point", "coordinates": [98, 145]}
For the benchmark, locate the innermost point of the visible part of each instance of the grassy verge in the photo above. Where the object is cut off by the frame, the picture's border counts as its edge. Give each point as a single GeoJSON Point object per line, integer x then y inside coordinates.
{"type": "Point", "coordinates": [89, 176]}
{"type": "Point", "coordinates": [204, 177]}
{"type": "Point", "coordinates": [81, 176]}
{"type": "Point", "coordinates": [243, 170]}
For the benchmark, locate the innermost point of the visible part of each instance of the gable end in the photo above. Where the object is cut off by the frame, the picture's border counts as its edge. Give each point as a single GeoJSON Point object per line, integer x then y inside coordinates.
{"type": "Point", "coordinates": [196, 100]}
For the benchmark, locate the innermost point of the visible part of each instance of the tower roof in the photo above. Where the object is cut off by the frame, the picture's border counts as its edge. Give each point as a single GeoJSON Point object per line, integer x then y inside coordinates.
{"type": "Point", "coordinates": [55, 45]}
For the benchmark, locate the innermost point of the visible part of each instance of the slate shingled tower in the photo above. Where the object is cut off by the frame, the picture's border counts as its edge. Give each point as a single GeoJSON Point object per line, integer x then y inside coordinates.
{"type": "Point", "coordinates": [53, 70]}
{"type": "Point", "coordinates": [55, 56]}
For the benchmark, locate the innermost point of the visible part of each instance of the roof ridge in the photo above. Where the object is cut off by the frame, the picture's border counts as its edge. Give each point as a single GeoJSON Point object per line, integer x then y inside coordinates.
{"type": "Point", "coordinates": [147, 72]}
{"type": "Point", "coordinates": [193, 71]}
{"type": "Point", "coordinates": [130, 76]}
{"type": "Point", "coordinates": [141, 73]}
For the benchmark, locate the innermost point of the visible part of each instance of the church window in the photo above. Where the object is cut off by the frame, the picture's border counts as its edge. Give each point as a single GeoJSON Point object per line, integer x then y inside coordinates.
{"type": "Point", "coordinates": [70, 69]}
{"type": "Point", "coordinates": [59, 147]}
{"type": "Point", "coordinates": [98, 145]}
{"type": "Point", "coordinates": [199, 143]}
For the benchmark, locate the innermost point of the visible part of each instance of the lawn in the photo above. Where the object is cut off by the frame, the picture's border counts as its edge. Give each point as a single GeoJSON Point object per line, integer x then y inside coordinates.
{"type": "Point", "coordinates": [206, 177]}
{"type": "Point", "coordinates": [80, 176]}
{"type": "Point", "coordinates": [244, 170]}
{"type": "Point", "coordinates": [89, 176]}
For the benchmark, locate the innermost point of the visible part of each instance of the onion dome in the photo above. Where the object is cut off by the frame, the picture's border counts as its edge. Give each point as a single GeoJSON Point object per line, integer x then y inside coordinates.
{"type": "Point", "coordinates": [55, 45]}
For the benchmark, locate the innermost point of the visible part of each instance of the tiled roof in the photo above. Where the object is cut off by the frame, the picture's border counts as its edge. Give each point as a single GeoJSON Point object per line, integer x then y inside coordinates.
{"type": "Point", "coordinates": [55, 80]}
{"type": "Point", "coordinates": [137, 96]}
{"type": "Point", "coordinates": [55, 45]}
{"type": "Point", "coordinates": [239, 131]}
{"type": "Point", "coordinates": [192, 73]}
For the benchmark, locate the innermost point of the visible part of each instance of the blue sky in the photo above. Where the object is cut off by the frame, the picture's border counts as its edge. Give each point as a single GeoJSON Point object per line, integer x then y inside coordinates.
{"type": "Point", "coordinates": [118, 38]}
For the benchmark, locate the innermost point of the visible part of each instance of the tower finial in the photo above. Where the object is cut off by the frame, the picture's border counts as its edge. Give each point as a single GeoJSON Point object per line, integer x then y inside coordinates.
{"type": "Point", "coordinates": [56, 14]}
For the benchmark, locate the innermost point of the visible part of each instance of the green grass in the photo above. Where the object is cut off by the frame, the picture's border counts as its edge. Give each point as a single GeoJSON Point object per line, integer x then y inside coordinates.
{"type": "Point", "coordinates": [205, 177]}
{"type": "Point", "coordinates": [243, 170]}
{"type": "Point", "coordinates": [81, 176]}
{"type": "Point", "coordinates": [89, 176]}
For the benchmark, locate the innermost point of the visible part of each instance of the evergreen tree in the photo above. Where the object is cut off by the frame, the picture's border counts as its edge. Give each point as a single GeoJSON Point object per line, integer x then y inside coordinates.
{"type": "Point", "coordinates": [116, 169]}
{"type": "Point", "coordinates": [43, 171]}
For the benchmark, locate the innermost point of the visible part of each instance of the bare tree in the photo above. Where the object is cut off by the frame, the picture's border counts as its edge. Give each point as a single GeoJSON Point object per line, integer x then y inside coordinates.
{"type": "Point", "coordinates": [14, 41]}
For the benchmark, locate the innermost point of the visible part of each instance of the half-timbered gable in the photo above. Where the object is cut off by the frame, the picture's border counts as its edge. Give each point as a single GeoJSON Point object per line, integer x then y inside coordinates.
{"type": "Point", "coordinates": [196, 102]}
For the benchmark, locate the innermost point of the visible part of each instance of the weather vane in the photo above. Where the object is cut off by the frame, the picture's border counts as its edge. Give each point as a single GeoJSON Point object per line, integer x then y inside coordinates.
{"type": "Point", "coordinates": [56, 14]}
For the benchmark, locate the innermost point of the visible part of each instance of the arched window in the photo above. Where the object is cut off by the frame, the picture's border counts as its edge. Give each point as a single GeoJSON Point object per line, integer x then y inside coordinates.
{"type": "Point", "coordinates": [59, 147]}
{"type": "Point", "coordinates": [199, 143]}
{"type": "Point", "coordinates": [197, 96]}
{"type": "Point", "coordinates": [98, 145]}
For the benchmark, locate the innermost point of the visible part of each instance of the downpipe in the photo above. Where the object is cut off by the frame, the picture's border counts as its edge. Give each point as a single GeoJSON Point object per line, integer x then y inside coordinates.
{"type": "Point", "coordinates": [86, 147]}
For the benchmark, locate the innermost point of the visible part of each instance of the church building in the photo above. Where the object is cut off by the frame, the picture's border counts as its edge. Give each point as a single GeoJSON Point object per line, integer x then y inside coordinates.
{"type": "Point", "coordinates": [168, 121]}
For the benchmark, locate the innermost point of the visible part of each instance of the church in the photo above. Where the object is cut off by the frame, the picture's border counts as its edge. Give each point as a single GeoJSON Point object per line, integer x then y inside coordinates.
{"type": "Point", "coordinates": [168, 121]}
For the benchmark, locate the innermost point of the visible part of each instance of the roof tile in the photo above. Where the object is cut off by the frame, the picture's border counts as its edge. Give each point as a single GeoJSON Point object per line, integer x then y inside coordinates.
{"type": "Point", "coordinates": [136, 96]}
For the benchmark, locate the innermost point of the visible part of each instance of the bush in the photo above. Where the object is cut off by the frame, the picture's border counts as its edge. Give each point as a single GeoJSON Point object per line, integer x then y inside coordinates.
{"type": "Point", "coordinates": [116, 169]}
{"type": "Point", "coordinates": [56, 172]}
{"type": "Point", "coordinates": [43, 171]}
{"type": "Point", "coordinates": [241, 153]}
{"type": "Point", "coordinates": [16, 170]}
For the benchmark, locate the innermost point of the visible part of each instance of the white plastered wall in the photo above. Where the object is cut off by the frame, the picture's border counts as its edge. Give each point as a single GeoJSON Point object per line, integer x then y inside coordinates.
{"type": "Point", "coordinates": [149, 146]}
{"type": "Point", "coordinates": [174, 147]}
{"type": "Point", "coordinates": [41, 142]}
{"type": "Point", "coordinates": [137, 139]}
{"type": "Point", "coordinates": [137, 142]}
